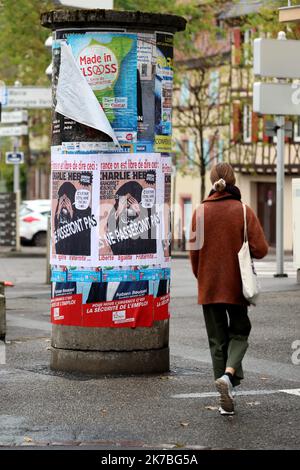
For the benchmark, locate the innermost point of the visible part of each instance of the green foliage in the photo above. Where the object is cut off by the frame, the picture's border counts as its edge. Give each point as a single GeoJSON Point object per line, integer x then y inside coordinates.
{"type": "Point", "coordinates": [199, 16]}
{"type": "Point", "coordinates": [23, 55]}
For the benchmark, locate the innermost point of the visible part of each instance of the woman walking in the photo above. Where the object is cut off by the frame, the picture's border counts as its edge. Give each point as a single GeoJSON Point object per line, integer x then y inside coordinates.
{"type": "Point", "coordinates": [216, 267]}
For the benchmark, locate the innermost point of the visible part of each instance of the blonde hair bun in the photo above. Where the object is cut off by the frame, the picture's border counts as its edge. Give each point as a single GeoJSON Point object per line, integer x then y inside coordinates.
{"type": "Point", "coordinates": [219, 185]}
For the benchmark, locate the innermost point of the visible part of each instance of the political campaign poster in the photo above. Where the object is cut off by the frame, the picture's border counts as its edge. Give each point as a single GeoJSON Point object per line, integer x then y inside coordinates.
{"type": "Point", "coordinates": [74, 219]}
{"type": "Point", "coordinates": [146, 63]}
{"type": "Point", "coordinates": [130, 221]}
{"type": "Point", "coordinates": [161, 299]}
{"type": "Point", "coordinates": [108, 61]}
{"type": "Point", "coordinates": [163, 92]}
{"type": "Point", "coordinates": [102, 304]}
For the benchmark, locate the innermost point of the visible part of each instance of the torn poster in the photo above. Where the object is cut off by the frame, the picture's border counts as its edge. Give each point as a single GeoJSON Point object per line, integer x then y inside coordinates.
{"type": "Point", "coordinates": [75, 98]}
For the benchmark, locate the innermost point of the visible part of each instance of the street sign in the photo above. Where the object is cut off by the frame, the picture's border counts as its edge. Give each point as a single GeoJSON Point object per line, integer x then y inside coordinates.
{"type": "Point", "coordinates": [8, 219]}
{"type": "Point", "coordinates": [276, 98]}
{"type": "Point", "coordinates": [14, 157]}
{"type": "Point", "coordinates": [12, 131]}
{"type": "Point", "coordinates": [273, 58]}
{"type": "Point", "coordinates": [271, 128]}
{"type": "Point", "coordinates": [3, 93]}
{"type": "Point", "coordinates": [14, 117]}
{"type": "Point", "coordinates": [28, 97]}
{"type": "Point", "coordinates": [103, 4]}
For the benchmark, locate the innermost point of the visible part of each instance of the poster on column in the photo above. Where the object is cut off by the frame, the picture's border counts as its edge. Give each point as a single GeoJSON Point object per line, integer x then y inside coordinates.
{"type": "Point", "coordinates": [146, 62]}
{"type": "Point", "coordinates": [108, 61]}
{"type": "Point", "coordinates": [102, 304]}
{"type": "Point", "coordinates": [166, 163]}
{"type": "Point", "coordinates": [130, 221]}
{"type": "Point", "coordinates": [163, 92]}
{"type": "Point", "coordinates": [74, 226]}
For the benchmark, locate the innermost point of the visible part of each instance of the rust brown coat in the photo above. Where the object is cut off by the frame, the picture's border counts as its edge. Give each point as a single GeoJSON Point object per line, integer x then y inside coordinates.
{"type": "Point", "coordinates": [216, 265]}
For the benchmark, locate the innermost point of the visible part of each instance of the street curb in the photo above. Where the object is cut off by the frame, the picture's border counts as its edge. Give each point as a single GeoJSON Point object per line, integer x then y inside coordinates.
{"type": "Point", "coordinates": [11, 254]}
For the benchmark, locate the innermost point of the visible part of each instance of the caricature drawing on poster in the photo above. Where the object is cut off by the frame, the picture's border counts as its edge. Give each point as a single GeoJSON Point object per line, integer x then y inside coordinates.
{"type": "Point", "coordinates": [73, 224]}
{"type": "Point", "coordinates": [129, 218]}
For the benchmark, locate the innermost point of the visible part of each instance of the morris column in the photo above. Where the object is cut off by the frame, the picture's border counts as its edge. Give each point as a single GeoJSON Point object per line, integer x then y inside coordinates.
{"type": "Point", "coordinates": [111, 184]}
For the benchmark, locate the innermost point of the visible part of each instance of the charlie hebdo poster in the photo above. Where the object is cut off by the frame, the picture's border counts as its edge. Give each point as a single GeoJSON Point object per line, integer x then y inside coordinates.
{"type": "Point", "coordinates": [130, 219]}
{"type": "Point", "coordinates": [74, 218]}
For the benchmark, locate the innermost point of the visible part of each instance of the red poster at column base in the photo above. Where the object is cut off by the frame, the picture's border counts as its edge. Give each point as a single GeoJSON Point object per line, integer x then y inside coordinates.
{"type": "Point", "coordinates": [161, 307]}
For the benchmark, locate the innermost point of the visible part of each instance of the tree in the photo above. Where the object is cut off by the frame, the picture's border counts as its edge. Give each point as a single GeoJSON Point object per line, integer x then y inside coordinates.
{"type": "Point", "coordinates": [23, 57]}
{"type": "Point", "coordinates": [202, 119]}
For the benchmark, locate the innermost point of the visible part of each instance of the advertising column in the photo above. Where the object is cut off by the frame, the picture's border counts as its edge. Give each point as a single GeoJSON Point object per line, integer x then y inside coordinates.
{"type": "Point", "coordinates": [110, 190]}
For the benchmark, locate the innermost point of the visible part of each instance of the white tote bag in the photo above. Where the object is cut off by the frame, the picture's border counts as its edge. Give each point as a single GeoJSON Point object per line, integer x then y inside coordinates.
{"type": "Point", "coordinates": [248, 274]}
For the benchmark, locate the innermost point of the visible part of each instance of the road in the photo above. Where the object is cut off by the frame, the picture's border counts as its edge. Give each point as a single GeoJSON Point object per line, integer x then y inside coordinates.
{"type": "Point", "coordinates": [178, 409]}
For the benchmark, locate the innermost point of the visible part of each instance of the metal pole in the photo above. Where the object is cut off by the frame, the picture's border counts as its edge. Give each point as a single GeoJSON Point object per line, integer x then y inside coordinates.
{"type": "Point", "coordinates": [48, 267]}
{"type": "Point", "coordinates": [280, 197]}
{"type": "Point", "coordinates": [280, 121]}
{"type": "Point", "coordinates": [18, 202]}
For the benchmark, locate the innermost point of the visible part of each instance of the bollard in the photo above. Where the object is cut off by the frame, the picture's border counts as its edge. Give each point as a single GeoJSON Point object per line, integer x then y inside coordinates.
{"type": "Point", "coordinates": [2, 312]}
{"type": "Point", "coordinates": [111, 187]}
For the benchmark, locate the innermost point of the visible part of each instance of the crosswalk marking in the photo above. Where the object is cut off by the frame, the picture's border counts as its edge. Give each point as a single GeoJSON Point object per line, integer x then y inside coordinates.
{"type": "Point", "coordinates": [269, 268]}
{"type": "Point", "coordinates": [295, 391]}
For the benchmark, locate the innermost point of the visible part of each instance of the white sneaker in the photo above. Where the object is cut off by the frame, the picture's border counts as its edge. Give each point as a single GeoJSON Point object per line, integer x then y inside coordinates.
{"type": "Point", "coordinates": [225, 389]}
{"type": "Point", "coordinates": [225, 413]}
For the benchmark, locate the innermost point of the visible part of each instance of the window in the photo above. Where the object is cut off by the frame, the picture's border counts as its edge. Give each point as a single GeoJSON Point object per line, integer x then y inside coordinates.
{"type": "Point", "coordinates": [247, 118]}
{"type": "Point", "coordinates": [206, 151]}
{"type": "Point", "coordinates": [247, 40]}
{"type": "Point", "coordinates": [220, 150]}
{"type": "Point", "coordinates": [191, 153]}
{"type": "Point", "coordinates": [214, 85]}
{"type": "Point", "coordinates": [297, 130]}
{"type": "Point", "coordinates": [184, 92]}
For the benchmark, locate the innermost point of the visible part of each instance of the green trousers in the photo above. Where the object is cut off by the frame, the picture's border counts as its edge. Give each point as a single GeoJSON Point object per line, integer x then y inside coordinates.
{"type": "Point", "coordinates": [228, 328]}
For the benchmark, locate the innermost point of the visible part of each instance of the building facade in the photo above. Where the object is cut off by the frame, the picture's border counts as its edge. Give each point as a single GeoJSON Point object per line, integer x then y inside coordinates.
{"type": "Point", "coordinates": [232, 132]}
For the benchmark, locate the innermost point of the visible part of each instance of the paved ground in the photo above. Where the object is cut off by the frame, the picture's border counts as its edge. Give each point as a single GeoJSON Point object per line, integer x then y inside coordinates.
{"type": "Point", "coordinates": [178, 409]}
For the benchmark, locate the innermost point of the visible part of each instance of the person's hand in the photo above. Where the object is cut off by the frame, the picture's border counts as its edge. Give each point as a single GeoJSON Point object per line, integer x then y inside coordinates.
{"type": "Point", "coordinates": [134, 205]}
{"type": "Point", "coordinates": [122, 204]}
{"type": "Point", "coordinates": [65, 203]}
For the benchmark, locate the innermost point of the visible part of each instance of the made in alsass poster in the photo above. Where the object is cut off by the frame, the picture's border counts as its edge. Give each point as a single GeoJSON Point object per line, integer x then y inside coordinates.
{"type": "Point", "coordinates": [108, 62]}
{"type": "Point", "coordinates": [112, 301]}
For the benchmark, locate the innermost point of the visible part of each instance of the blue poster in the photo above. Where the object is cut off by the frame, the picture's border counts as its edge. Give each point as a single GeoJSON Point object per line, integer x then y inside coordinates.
{"type": "Point", "coordinates": [108, 61]}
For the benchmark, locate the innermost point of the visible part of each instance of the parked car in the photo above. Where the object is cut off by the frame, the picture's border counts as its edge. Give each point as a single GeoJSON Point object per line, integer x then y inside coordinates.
{"type": "Point", "coordinates": [33, 221]}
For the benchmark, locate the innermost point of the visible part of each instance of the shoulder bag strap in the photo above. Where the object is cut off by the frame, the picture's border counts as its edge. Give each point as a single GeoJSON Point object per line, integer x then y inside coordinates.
{"type": "Point", "coordinates": [245, 224]}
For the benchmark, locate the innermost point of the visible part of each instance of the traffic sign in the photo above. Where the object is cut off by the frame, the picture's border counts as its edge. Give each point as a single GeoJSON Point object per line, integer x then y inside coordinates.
{"type": "Point", "coordinates": [271, 128]}
{"type": "Point", "coordinates": [14, 117]}
{"type": "Point", "coordinates": [28, 97]}
{"type": "Point", "coordinates": [3, 93]}
{"type": "Point", "coordinates": [12, 131]}
{"type": "Point", "coordinates": [276, 98]}
{"type": "Point", "coordinates": [273, 58]}
{"type": "Point", "coordinates": [104, 4]}
{"type": "Point", "coordinates": [14, 157]}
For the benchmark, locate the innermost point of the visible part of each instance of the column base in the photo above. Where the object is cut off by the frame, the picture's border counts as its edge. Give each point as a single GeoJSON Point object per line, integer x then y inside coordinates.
{"type": "Point", "coordinates": [111, 362]}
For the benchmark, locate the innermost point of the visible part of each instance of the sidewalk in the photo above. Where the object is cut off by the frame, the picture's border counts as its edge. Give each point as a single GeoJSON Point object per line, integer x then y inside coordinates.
{"type": "Point", "coordinates": [25, 252]}
{"type": "Point", "coordinates": [172, 410]}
